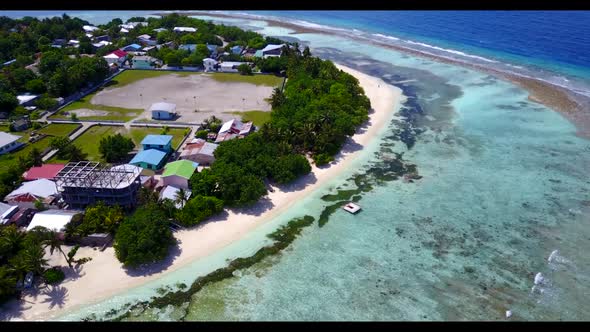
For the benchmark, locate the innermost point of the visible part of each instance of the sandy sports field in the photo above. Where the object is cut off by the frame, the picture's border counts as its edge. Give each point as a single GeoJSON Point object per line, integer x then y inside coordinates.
{"type": "Point", "coordinates": [189, 92]}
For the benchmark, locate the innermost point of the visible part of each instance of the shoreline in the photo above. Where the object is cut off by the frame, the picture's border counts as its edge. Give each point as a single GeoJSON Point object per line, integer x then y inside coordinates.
{"type": "Point", "coordinates": [554, 97]}
{"type": "Point", "coordinates": [92, 284]}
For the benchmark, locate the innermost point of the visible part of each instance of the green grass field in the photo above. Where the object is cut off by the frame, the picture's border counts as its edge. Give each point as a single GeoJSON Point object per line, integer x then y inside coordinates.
{"type": "Point", "coordinates": [268, 80]}
{"type": "Point", "coordinates": [59, 129]}
{"type": "Point", "coordinates": [115, 113]}
{"type": "Point", "coordinates": [50, 130]}
{"type": "Point", "coordinates": [12, 158]}
{"type": "Point", "coordinates": [257, 117]}
{"type": "Point", "coordinates": [131, 76]}
{"type": "Point", "coordinates": [89, 140]}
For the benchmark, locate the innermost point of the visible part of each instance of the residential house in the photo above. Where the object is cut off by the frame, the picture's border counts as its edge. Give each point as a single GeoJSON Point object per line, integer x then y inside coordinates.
{"type": "Point", "coordinates": [230, 66]}
{"type": "Point", "coordinates": [9, 142]}
{"type": "Point", "coordinates": [6, 212]}
{"type": "Point", "coordinates": [236, 49]}
{"type": "Point", "coordinates": [45, 171]}
{"type": "Point", "coordinates": [250, 53]}
{"type": "Point", "coordinates": [147, 40]}
{"type": "Point", "coordinates": [29, 192]}
{"type": "Point", "coordinates": [131, 48]}
{"type": "Point", "coordinates": [149, 159]}
{"type": "Point", "coordinates": [21, 217]}
{"type": "Point", "coordinates": [53, 220]}
{"type": "Point", "coordinates": [74, 43]}
{"type": "Point", "coordinates": [199, 151]}
{"type": "Point", "coordinates": [59, 43]}
{"type": "Point", "coordinates": [148, 181]}
{"type": "Point", "coordinates": [101, 44]}
{"type": "Point", "coordinates": [163, 111]}
{"type": "Point", "coordinates": [169, 44]}
{"type": "Point", "coordinates": [144, 62]}
{"type": "Point", "coordinates": [89, 28]}
{"type": "Point", "coordinates": [155, 150]}
{"type": "Point", "coordinates": [102, 38]}
{"type": "Point", "coordinates": [27, 99]}
{"type": "Point", "coordinates": [124, 31]}
{"type": "Point", "coordinates": [210, 64]}
{"type": "Point", "coordinates": [158, 142]}
{"type": "Point", "coordinates": [158, 30]}
{"type": "Point", "coordinates": [131, 25]}
{"type": "Point", "coordinates": [232, 129]}
{"type": "Point", "coordinates": [116, 57]}
{"type": "Point", "coordinates": [184, 29]}
{"type": "Point", "coordinates": [21, 124]}
{"type": "Point", "coordinates": [188, 47]}
{"type": "Point", "coordinates": [178, 173]}
{"type": "Point", "coordinates": [170, 192]}
{"type": "Point", "coordinates": [212, 50]}
{"type": "Point", "coordinates": [271, 50]}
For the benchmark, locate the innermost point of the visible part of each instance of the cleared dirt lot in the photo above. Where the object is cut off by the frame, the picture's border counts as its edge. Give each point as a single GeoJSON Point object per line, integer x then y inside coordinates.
{"type": "Point", "coordinates": [188, 92]}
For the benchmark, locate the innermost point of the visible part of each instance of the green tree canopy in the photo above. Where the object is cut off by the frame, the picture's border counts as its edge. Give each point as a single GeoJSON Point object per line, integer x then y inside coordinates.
{"type": "Point", "coordinates": [143, 238]}
{"type": "Point", "coordinates": [199, 209]}
{"type": "Point", "coordinates": [115, 148]}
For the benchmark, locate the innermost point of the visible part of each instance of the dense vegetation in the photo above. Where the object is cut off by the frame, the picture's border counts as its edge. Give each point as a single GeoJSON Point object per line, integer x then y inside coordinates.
{"type": "Point", "coordinates": [144, 237]}
{"type": "Point", "coordinates": [320, 107]}
{"type": "Point", "coordinates": [21, 253]}
{"type": "Point", "coordinates": [98, 218]}
{"type": "Point", "coordinates": [198, 209]}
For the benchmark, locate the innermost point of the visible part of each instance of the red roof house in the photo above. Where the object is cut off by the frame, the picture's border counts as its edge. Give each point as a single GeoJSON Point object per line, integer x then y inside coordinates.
{"type": "Point", "coordinates": [46, 171]}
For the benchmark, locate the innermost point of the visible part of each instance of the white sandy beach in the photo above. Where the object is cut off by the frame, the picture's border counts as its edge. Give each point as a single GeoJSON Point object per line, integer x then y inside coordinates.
{"type": "Point", "coordinates": [104, 276]}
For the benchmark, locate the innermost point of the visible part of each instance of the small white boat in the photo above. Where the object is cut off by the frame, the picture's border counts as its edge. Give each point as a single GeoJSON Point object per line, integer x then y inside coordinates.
{"type": "Point", "coordinates": [351, 207]}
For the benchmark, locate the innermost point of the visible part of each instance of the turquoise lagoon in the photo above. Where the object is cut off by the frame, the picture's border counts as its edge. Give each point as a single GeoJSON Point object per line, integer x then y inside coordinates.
{"type": "Point", "coordinates": [504, 185]}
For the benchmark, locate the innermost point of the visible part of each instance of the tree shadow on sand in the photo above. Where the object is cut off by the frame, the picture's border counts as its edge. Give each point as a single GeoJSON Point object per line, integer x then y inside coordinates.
{"type": "Point", "coordinates": [298, 184]}
{"type": "Point", "coordinates": [13, 309]}
{"type": "Point", "coordinates": [157, 267]}
{"type": "Point", "coordinates": [56, 296]}
{"type": "Point", "coordinates": [260, 207]}
{"type": "Point", "coordinates": [74, 272]}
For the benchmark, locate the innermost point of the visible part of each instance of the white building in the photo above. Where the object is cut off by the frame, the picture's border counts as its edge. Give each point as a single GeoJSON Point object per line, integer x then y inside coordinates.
{"type": "Point", "coordinates": [53, 220]}
{"type": "Point", "coordinates": [184, 29]}
{"type": "Point", "coordinates": [89, 28]}
{"type": "Point", "coordinates": [230, 66]}
{"type": "Point", "coordinates": [163, 111]}
{"type": "Point", "coordinates": [31, 191]}
{"type": "Point", "coordinates": [26, 100]}
{"type": "Point", "coordinates": [232, 129]}
{"type": "Point", "coordinates": [8, 142]}
{"type": "Point", "coordinates": [210, 64]}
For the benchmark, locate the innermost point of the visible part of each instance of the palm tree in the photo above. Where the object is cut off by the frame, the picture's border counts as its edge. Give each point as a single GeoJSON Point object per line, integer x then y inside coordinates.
{"type": "Point", "coordinates": [76, 154]}
{"type": "Point", "coordinates": [54, 243]}
{"type": "Point", "coordinates": [11, 240]}
{"type": "Point", "coordinates": [35, 157]}
{"type": "Point", "coordinates": [181, 197]}
{"type": "Point", "coordinates": [33, 258]}
{"type": "Point", "coordinates": [7, 281]}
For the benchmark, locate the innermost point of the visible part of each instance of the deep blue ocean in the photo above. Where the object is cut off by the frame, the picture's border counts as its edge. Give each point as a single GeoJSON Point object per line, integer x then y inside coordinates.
{"type": "Point", "coordinates": [557, 40]}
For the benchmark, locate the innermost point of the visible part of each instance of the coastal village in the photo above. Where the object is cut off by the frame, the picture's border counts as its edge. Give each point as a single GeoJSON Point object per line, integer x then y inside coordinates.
{"type": "Point", "coordinates": [134, 149]}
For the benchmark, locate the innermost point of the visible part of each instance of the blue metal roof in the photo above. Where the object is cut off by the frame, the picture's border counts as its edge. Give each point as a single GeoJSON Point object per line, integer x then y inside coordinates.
{"type": "Point", "coordinates": [134, 46]}
{"type": "Point", "coordinates": [151, 156]}
{"type": "Point", "coordinates": [157, 139]}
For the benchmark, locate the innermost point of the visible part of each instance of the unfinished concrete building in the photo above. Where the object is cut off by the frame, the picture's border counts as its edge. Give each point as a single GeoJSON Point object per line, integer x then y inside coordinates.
{"type": "Point", "coordinates": [85, 183]}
